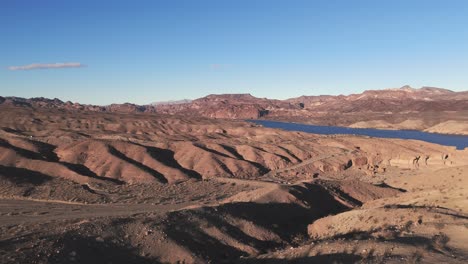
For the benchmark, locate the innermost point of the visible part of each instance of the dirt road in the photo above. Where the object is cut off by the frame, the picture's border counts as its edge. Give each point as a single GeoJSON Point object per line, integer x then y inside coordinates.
{"type": "Point", "coordinates": [28, 211]}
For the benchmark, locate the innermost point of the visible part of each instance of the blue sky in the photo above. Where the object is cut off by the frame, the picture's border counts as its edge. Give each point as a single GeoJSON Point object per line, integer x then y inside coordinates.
{"type": "Point", "coordinates": [146, 51]}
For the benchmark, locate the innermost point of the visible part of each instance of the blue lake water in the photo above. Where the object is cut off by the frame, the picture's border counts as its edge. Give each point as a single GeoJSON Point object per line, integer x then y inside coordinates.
{"type": "Point", "coordinates": [460, 142]}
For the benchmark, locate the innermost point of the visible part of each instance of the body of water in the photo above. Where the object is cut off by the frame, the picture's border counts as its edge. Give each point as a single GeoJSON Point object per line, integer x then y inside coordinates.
{"type": "Point", "coordinates": [458, 141]}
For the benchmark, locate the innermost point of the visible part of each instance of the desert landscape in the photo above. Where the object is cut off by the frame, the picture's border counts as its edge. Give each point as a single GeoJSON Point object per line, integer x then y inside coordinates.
{"type": "Point", "coordinates": [128, 184]}
{"type": "Point", "coordinates": [247, 131]}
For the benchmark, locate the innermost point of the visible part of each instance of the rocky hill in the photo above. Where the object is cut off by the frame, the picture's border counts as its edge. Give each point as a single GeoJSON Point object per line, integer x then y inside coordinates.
{"type": "Point", "coordinates": [425, 108]}
{"type": "Point", "coordinates": [398, 108]}
{"type": "Point", "coordinates": [388, 100]}
{"type": "Point", "coordinates": [401, 99]}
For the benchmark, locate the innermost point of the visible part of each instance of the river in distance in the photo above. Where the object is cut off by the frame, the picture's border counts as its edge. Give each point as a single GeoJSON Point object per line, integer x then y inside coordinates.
{"type": "Point", "coordinates": [458, 141]}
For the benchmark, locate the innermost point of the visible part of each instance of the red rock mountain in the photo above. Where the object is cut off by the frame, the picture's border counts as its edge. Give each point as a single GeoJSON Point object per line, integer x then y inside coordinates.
{"type": "Point", "coordinates": [304, 108]}
{"type": "Point", "coordinates": [403, 99]}
{"type": "Point", "coordinates": [248, 106]}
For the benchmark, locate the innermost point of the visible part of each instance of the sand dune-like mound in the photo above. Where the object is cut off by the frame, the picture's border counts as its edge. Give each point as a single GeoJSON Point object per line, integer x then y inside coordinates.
{"type": "Point", "coordinates": [450, 127]}
{"type": "Point", "coordinates": [410, 124]}
{"type": "Point", "coordinates": [372, 124]}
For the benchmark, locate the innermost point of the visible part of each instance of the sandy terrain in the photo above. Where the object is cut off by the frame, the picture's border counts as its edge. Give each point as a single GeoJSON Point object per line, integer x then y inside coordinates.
{"type": "Point", "coordinates": [450, 127]}
{"type": "Point", "coordinates": [459, 127]}
{"type": "Point", "coordinates": [96, 187]}
{"type": "Point", "coordinates": [410, 124]}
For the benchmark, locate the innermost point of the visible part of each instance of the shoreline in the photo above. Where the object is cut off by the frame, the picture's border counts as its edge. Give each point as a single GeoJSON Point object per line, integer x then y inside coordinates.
{"type": "Point", "coordinates": [459, 145]}
{"type": "Point", "coordinates": [348, 127]}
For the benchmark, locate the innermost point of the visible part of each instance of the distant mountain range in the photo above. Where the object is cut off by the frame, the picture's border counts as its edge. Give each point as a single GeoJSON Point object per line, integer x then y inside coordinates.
{"type": "Point", "coordinates": [389, 100]}
{"type": "Point", "coordinates": [429, 104]}
{"type": "Point", "coordinates": [41, 102]}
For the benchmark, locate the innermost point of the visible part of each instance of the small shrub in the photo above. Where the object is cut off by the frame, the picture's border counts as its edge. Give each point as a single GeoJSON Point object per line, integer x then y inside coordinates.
{"type": "Point", "coordinates": [440, 241]}
{"type": "Point", "coordinates": [407, 226]}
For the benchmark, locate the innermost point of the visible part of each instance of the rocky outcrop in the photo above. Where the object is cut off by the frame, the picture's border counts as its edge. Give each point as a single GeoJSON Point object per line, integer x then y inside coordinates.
{"type": "Point", "coordinates": [389, 108]}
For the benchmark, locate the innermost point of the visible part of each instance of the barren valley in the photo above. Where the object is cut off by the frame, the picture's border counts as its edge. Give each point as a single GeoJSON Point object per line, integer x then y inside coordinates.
{"type": "Point", "coordinates": [84, 186]}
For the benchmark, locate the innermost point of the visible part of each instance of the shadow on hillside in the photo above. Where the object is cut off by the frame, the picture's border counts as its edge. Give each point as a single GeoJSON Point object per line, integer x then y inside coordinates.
{"type": "Point", "coordinates": [436, 209]}
{"type": "Point", "coordinates": [320, 199]}
{"type": "Point", "coordinates": [21, 151]}
{"type": "Point", "coordinates": [156, 174]}
{"type": "Point", "coordinates": [166, 157]}
{"type": "Point", "coordinates": [68, 248]}
{"type": "Point", "coordinates": [74, 248]}
{"type": "Point", "coordinates": [85, 171]}
{"type": "Point", "coordinates": [261, 169]}
{"type": "Point", "coordinates": [385, 185]}
{"type": "Point", "coordinates": [23, 176]}
{"type": "Point", "coordinates": [326, 258]}
{"type": "Point", "coordinates": [242, 226]}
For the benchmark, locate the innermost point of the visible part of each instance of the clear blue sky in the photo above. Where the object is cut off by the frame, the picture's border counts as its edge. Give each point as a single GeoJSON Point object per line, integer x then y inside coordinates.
{"type": "Point", "coordinates": [145, 51]}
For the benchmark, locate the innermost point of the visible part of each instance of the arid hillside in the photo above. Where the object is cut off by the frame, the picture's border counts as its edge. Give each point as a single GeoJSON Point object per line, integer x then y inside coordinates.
{"type": "Point", "coordinates": [92, 146]}
{"type": "Point", "coordinates": [123, 187]}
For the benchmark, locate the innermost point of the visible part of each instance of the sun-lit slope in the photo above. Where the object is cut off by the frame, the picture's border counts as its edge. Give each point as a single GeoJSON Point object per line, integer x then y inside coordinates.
{"type": "Point", "coordinates": [410, 124]}
{"type": "Point", "coordinates": [450, 127]}
{"type": "Point", "coordinates": [124, 161]}
{"type": "Point", "coordinates": [93, 146]}
{"type": "Point", "coordinates": [432, 207]}
{"type": "Point", "coordinates": [139, 148]}
{"type": "Point", "coordinates": [14, 158]}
